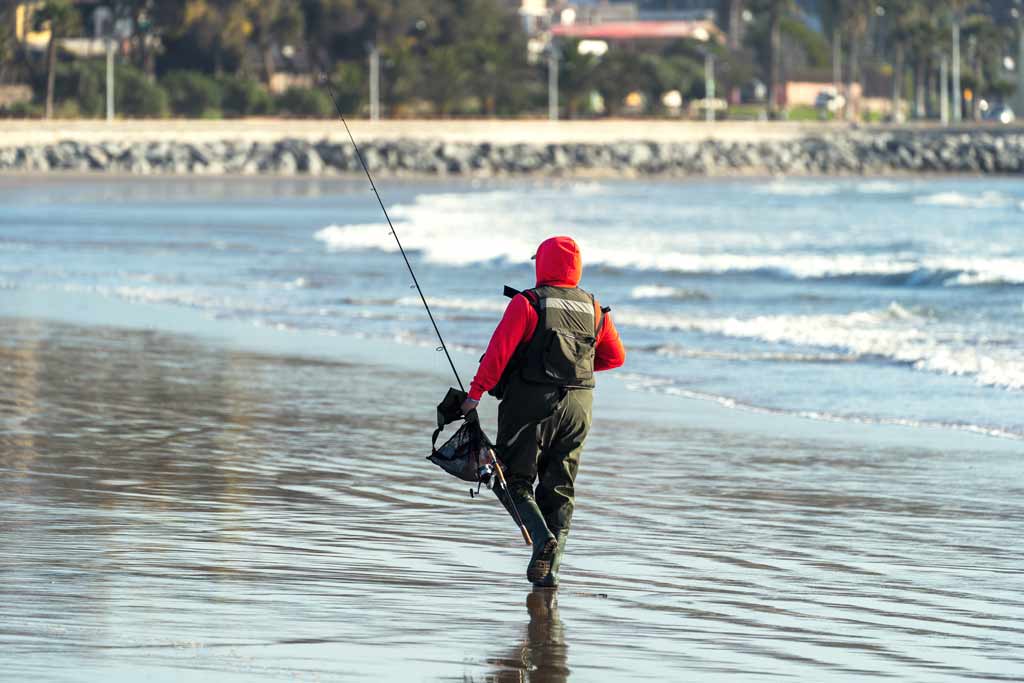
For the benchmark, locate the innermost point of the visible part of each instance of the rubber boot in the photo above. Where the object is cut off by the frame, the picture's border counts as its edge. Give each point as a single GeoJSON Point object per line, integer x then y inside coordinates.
{"type": "Point", "coordinates": [544, 542]}
{"type": "Point", "coordinates": [551, 580]}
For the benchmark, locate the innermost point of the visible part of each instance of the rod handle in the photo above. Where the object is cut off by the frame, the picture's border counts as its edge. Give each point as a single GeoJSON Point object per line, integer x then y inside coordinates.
{"type": "Point", "coordinates": [526, 535]}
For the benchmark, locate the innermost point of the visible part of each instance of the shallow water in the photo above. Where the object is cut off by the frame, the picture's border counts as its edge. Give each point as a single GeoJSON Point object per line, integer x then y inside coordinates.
{"type": "Point", "coordinates": [175, 508]}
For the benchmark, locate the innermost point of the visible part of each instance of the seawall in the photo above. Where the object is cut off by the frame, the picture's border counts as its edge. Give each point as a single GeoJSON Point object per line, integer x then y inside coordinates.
{"type": "Point", "coordinates": [500, 148]}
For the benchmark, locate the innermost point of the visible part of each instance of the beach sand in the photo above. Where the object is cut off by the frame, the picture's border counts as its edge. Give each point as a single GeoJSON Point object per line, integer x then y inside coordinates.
{"type": "Point", "coordinates": [188, 499]}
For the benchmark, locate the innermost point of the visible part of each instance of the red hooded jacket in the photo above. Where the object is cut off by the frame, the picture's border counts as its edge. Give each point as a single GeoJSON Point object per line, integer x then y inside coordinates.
{"type": "Point", "coordinates": [558, 265]}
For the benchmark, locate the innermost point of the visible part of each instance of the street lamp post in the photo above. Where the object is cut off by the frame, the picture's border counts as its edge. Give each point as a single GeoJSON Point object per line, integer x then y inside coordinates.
{"type": "Point", "coordinates": [110, 79]}
{"type": "Point", "coordinates": [552, 81]}
{"type": "Point", "coordinates": [957, 108]}
{"type": "Point", "coordinates": [107, 28]}
{"type": "Point", "coordinates": [944, 90]}
{"type": "Point", "coordinates": [374, 82]}
{"type": "Point", "coordinates": [1018, 14]}
{"type": "Point", "coordinates": [709, 87]}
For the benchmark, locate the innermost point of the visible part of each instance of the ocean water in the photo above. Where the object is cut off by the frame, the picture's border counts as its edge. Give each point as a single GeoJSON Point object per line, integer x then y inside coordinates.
{"type": "Point", "coordinates": [894, 301]}
{"type": "Point", "coordinates": [219, 393]}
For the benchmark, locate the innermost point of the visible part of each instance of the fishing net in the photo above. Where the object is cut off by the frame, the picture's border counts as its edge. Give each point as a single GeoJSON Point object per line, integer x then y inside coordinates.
{"type": "Point", "coordinates": [464, 454]}
{"type": "Point", "coordinates": [467, 454]}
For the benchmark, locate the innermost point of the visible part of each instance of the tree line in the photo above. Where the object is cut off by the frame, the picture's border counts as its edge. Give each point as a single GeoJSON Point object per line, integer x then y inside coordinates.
{"type": "Point", "coordinates": [211, 58]}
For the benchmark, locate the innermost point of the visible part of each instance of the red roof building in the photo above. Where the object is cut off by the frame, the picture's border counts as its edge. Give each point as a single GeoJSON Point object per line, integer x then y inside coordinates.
{"type": "Point", "coordinates": [640, 30]}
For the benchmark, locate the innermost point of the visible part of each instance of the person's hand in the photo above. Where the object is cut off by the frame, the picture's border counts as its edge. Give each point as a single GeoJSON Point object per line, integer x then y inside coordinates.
{"type": "Point", "coordinates": [469, 405]}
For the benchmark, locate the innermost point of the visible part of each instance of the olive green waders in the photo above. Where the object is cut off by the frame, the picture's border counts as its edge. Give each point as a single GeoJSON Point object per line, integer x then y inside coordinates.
{"type": "Point", "coordinates": [541, 430]}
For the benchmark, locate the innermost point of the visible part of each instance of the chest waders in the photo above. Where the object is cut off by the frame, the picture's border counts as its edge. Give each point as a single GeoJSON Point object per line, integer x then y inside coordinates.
{"type": "Point", "coordinates": [544, 418]}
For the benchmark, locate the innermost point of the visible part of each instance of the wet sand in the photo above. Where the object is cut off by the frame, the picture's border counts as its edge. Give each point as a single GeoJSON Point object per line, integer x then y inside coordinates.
{"type": "Point", "coordinates": [257, 507]}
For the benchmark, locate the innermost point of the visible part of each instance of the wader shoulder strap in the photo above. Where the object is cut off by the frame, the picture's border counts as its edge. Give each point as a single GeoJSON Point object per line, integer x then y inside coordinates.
{"type": "Point", "coordinates": [530, 295]}
{"type": "Point", "coordinates": [602, 312]}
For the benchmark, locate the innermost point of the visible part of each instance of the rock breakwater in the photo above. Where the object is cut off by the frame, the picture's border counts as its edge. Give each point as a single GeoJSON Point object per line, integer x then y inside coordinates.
{"type": "Point", "coordinates": [856, 152]}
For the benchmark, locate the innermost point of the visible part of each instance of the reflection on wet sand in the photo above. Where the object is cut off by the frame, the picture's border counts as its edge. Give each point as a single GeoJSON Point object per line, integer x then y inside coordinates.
{"type": "Point", "coordinates": [543, 655]}
{"type": "Point", "coordinates": [172, 509]}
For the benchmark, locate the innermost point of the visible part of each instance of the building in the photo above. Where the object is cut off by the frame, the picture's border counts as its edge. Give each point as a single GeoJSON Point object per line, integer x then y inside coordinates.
{"type": "Point", "coordinates": [98, 24]}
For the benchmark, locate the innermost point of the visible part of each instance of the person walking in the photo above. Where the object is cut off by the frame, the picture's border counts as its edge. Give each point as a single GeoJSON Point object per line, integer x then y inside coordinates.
{"type": "Point", "coordinates": [540, 363]}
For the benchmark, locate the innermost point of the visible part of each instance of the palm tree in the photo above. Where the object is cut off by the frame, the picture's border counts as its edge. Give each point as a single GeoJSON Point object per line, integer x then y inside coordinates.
{"type": "Point", "coordinates": [734, 22]}
{"type": "Point", "coordinates": [62, 19]}
{"type": "Point", "coordinates": [776, 11]}
{"type": "Point", "coordinates": [273, 21]}
{"type": "Point", "coordinates": [8, 42]}
{"type": "Point", "coordinates": [904, 19]}
{"type": "Point", "coordinates": [854, 18]}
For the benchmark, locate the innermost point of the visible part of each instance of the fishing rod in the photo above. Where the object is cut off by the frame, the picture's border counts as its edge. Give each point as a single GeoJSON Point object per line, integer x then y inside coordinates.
{"type": "Point", "coordinates": [497, 466]}
{"type": "Point", "coordinates": [330, 91]}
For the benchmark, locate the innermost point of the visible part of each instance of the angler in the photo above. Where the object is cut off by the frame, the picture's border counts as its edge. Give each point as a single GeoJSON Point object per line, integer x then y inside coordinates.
{"type": "Point", "coordinates": [540, 364]}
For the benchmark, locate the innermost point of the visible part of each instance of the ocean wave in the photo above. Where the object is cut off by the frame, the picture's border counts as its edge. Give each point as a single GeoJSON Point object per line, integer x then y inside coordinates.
{"type": "Point", "coordinates": [459, 242]}
{"type": "Point", "coordinates": [456, 303]}
{"type": "Point", "coordinates": [894, 334]}
{"type": "Point", "coordinates": [587, 189]}
{"type": "Point", "coordinates": [882, 187]}
{"type": "Point", "coordinates": [870, 269]}
{"type": "Point", "coordinates": [663, 292]}
{"type": "Point", "coordinates": [677, 351]}
{"type": "Point", "coordinates": [788, 188]}
{"type": "Point", "coordinates": [366, 301]}
{"type": "Point", "coordinates": [986, 200]}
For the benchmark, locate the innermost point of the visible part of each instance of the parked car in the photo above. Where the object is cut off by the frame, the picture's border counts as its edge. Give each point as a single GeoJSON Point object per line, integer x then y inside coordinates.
{"type": "Point", "coordinates": [999, 113]}
{"type": "Point", "coordinates": [828, 101]}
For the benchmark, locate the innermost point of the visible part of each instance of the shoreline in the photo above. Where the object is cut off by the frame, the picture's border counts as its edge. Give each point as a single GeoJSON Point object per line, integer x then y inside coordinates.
{"type": "Point", "coordinates": [617, 401]}
{"type": "Point", "coordinates": [486, 149]}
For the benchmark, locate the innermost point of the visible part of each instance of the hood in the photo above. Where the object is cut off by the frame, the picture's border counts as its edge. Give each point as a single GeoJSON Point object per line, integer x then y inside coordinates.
{"type": "Point", "coordinates": [558, 262]}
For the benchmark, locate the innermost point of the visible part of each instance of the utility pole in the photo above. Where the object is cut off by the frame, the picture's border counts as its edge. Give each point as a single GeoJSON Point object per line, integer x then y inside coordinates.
{"type": "Point", "coordinates": [1019, 14]}
{"type": "Point", "coordinates": [110, 78]}
{"type": "Point", "coordinates": [552, 82]}
{"type": "Point", "coordinates": [957, 93]}
{"type": "Point", "coordinates": [837, 56]}
{"type": "Point", "coordinates": [105, 25]}
{"type": "Point", "coordinates": [944, 90]}
{"type": "Point", "coordinates": [374, 82]}
{"type": "Point", "coordinates": [709, 87]}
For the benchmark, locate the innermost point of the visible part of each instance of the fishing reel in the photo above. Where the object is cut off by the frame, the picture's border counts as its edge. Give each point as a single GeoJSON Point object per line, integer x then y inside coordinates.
{"type": "Point", "coordinates": [485, 478]}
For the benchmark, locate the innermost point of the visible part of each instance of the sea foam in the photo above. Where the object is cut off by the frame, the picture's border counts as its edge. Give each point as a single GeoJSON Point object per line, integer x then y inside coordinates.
{"type": "Point", "coordinates": [481, 227]}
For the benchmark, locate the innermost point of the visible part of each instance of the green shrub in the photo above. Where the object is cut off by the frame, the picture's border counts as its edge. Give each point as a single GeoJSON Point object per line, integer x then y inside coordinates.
{"type": "Point", "coordinates": [244, 97]}
{"type": "Point", "coordinates": [348, 81]}
{"type": "Point", "coordinates": [80, 88]}
{"type": "Point", "coordinates": [805, 113]}
{"type": "Point", "coordinates": [304, 103]}
{"type": "Point", "coordinates": [138, 97]}
{"type": "Point", "coordinates": [81, 91]}
{"type": "Point", "coordinates": [193, 94]}
{"type": "Point", "coordinates": [67, 109]}
{"type": "Point", "coordinates": [745, 112]}
{"type": "Point", "coordinates": [22, 110]}
{"type": "Point", "coordinates": [90, 91]}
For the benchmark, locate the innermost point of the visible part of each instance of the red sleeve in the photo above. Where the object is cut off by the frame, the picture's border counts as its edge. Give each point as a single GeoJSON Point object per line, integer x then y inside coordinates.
{"type": "Point", "coordinates": [610, 352]}
{"type": "Point", "coordinates": [516, 327]}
